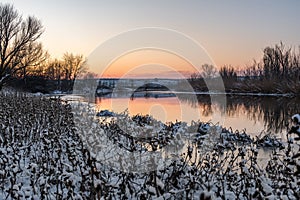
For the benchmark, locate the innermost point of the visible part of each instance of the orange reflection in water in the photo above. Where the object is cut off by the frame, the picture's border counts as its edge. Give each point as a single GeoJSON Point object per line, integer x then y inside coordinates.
{"type": "Point", "coordinates": [163, 109]}
{"type": "Point", "coordinates": [172, 109]}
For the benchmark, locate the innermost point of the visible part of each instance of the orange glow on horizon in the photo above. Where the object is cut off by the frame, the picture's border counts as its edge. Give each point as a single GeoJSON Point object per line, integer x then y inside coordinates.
{"type": "Point", "coordinates": [149, 63]}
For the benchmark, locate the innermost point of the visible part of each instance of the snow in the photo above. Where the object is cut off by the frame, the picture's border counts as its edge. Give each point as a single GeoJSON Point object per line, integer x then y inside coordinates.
{"type": "Point", "coordinates": [266, 188]}
{"type": "Point", "coordinates": [49, 156]}
{"type": "Point", "coordinates": [152, 190]}
{"type": "Point", "coordinates": [296, 118]}
{"type": "Point", "coordinates": [57, 92]}
{"type": "Point", "coordinates": [105, 113]}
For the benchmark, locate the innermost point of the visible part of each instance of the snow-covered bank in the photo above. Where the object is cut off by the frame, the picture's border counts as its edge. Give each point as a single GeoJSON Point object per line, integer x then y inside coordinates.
{"type": "Point", "coordinates": [44, 154]}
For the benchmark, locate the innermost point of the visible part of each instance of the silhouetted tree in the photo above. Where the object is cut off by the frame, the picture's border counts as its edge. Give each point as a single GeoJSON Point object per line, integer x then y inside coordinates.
{"type": "Point", "coordinates": [195, 76]}
{"type": "Point", "coordinates": [209, 71]}
{"type": "Point", "coordinates": [254, 71]}
{"type": "Point", "coordinates": [54, 69]}
{"type": "Point", "coordinates": [73, 65]}
{"type": "Point", "coordinates": [228, 72]}
{"type": "Point", "coordinates": [34, 61]}
{"type": "Point", "coordinates": [18, 46]}
{"type": "Point", "coordinates": [277, 62]}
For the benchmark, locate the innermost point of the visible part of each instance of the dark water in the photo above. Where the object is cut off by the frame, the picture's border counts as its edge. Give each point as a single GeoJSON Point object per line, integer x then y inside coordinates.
{"type": "Point", "coordinates": [255, 114]}
{"type": "Point", "coordinates": [267, 113]}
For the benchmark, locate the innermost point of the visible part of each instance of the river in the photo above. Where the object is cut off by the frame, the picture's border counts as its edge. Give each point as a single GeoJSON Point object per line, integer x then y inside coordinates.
{"type": "Point", "coordinates": [254, 114]}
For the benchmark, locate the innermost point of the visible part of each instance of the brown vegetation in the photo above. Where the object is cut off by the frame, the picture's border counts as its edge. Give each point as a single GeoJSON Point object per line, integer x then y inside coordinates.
{"type": "Point", "coordinates": [277, 72]}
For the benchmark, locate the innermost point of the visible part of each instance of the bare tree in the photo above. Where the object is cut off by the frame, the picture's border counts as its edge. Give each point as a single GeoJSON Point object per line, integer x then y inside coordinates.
{"type": "Point", "coordinates": [209, 71]}
{"type": "Point", "coordinates": [195, 76]}
{"type": "Point", "coordinates": [17, 39]}
{"type": "Point", "coordinates": [228, 72]}
{"type": "Point", "coordinates": [73, 65]}
{"type": "Point", "coordinates": [33, 60]}
{"type": "Point", "coordinates": [53, 69]}
{"type": "Point", "coordinates": [277, 61]}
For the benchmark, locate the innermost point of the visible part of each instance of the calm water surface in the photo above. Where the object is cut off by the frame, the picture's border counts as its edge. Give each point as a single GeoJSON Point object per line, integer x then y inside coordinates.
{"type": "Point", "coordinates": [254, 114]}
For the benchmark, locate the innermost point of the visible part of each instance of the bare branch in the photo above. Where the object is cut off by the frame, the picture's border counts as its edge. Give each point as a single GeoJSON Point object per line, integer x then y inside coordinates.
{"type": "Point", "coordinates": [18, 47]}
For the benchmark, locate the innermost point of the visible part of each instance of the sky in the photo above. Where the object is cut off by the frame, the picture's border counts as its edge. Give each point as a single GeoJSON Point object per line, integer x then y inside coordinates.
{"type": "Point", "coordinates": [230, 32]}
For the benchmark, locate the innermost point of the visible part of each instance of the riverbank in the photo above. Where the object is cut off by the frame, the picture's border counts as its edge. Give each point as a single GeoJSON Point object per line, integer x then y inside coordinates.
{"type": "Point", "coordinates": [44, 155]}
{"type": "Point", "coordinates": [247, 86]}
{"type": "Point", "coordinates": [251, 86]}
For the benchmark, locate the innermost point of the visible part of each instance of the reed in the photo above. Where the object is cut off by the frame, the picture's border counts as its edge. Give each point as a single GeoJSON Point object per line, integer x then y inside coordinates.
{"type": "Point", "coordinates": [43, 155]}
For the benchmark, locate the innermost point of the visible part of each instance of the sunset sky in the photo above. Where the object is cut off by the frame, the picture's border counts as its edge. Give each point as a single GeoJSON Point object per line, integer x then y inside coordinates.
{"type": "Point", "coordinates": [231, 32]}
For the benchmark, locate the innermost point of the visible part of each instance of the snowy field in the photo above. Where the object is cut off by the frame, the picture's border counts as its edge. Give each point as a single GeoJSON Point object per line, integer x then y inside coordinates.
{"type": "Point", "coordinates": [55, 149]}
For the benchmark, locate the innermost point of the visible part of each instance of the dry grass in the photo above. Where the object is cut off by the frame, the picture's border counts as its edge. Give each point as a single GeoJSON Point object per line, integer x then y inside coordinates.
{"type": "Point", "coordinates": [42, 157]}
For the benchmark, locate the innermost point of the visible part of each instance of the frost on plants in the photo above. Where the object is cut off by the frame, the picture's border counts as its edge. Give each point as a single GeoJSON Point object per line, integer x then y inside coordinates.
{"type": "Point", "coordinates": [47, 152]}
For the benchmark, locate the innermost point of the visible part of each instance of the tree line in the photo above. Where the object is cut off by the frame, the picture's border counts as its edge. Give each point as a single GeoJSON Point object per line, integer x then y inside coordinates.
{"type": "Point", "coordinates": [22, 56]}
{"type": "Point", "coordinates": [278, 71]}
{"type": "Point", "coordinates": [278, 63]}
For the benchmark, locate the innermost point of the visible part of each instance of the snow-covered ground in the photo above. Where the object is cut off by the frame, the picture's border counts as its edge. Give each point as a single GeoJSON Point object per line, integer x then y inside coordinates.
{"type": "Point", "coordinates": [55, 150]}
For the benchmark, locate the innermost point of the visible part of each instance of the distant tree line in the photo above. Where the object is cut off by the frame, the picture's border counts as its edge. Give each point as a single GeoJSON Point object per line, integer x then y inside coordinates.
{"type": "Point", "coordinates": [62, 73]}
{"type": "Point", "coordinates": [278, 71]}
{"type": "Point", "coordinates": [278, 63]}
{"type": "Point", "coordinates": [23, 61]}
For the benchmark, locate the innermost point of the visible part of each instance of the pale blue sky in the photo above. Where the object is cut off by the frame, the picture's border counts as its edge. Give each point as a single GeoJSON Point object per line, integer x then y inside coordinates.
{"type": "Point", "coordinates": [232, 31]}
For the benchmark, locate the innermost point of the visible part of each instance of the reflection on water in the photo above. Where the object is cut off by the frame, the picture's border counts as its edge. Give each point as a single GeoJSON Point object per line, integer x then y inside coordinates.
{"type": "Point", "coordinates": [253, 113]}
{"type": "Point", "coordinates": [272, 112]}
